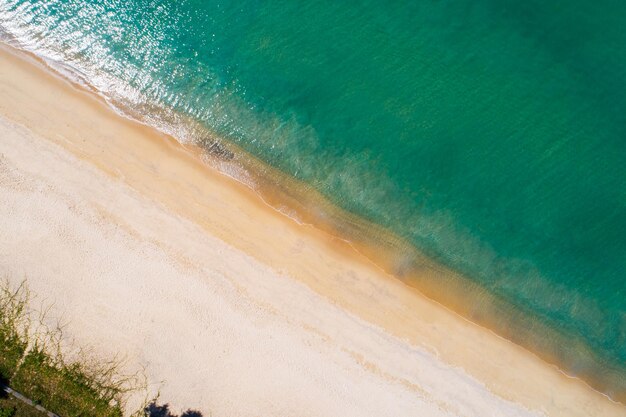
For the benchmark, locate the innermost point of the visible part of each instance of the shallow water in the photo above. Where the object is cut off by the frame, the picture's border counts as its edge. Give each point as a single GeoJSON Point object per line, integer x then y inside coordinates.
{"type": "Point", "coordinates": [490, 135]}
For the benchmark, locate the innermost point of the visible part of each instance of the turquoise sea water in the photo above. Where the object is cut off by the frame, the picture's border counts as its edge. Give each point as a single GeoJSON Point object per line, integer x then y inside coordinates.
{"type": "Point", "coordinates": [491, 134]}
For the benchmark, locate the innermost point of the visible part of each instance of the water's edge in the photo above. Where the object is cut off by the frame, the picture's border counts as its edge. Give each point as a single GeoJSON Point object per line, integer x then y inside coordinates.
{"type": "Point", "coordinates": [391, 253]}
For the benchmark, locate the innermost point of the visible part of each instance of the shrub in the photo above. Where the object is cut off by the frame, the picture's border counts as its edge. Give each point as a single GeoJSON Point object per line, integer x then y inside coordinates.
{"type": "Point", "coordinates": [155, 410]}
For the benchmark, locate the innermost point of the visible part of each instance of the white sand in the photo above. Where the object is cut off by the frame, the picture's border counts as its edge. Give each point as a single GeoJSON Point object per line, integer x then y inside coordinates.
{"type": "Point", "coordinates": [225, 333]}
{"type": "Point", "coordinates": [235, 309]}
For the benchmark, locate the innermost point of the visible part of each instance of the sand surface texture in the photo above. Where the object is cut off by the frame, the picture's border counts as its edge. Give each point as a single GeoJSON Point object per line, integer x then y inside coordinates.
{"type": "Point", "coordinates": [231, 307]}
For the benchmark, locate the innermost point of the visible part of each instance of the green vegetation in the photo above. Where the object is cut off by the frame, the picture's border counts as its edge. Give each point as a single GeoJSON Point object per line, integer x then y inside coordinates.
{"type": "Point", "coordinates": [66, 390]}
{"type": "Point", "coordinates": [31, 363]}
{"type": "Point", "coordinates": [13, 328]}
{"type": "Point", "coordinates": [11, 407]}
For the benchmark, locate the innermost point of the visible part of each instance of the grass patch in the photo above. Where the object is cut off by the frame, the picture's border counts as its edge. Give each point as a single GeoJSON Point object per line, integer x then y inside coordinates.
{"type": "Point", "coordinates": [67, 390]}
{"type": "Point", "coordinates": [10, 407]}
{"type": "Point", "coordinates": [32, 364]}
{"type": "Point", "coordinates": [13, 328]}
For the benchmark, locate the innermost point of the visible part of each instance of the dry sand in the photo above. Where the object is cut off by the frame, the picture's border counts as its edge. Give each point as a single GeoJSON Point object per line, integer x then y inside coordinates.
{"type": "Point", "coordinates": [231, 307]}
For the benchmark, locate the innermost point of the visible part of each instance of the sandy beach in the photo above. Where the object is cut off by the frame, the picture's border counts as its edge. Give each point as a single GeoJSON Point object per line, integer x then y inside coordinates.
{"type": "Point", "coordinates": [229, 306]}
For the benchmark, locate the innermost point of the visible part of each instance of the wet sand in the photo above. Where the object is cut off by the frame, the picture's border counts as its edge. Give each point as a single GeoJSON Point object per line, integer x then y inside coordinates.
{"type": "Point", "coordinates": [230, 306]}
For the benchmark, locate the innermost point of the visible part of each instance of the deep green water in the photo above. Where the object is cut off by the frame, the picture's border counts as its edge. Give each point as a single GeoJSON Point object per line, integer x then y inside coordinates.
{"type": "Point", "coordinates": [490, 134]}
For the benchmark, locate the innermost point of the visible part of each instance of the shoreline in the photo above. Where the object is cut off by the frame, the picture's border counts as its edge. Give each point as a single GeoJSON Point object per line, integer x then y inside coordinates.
{"type": "Point", "coordinates": [411, 317]}
{"type": "Point", "coordinates": [387, 251]}
{"type": "Point", "coordinates": [383, 248]}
